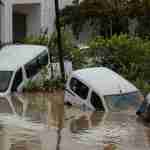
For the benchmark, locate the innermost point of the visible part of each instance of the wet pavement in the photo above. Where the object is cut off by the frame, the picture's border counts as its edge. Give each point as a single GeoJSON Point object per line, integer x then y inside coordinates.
{"type": "Point", "coordinates": [41, 122]}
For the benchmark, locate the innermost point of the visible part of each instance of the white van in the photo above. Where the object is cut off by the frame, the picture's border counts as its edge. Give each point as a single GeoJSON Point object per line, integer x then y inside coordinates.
{"type": "Point", "coordinates": [101, 89]}
{"type": "Point", "coordinates": [19, 63]}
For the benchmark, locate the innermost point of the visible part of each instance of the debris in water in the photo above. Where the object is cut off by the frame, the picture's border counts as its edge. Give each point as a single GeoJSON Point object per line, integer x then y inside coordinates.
{"type": "Point", "coordinates": [110, 147]}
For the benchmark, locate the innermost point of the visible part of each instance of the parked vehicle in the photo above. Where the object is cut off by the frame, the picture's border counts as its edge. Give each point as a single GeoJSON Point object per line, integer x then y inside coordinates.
{"type": "Point", "coordinates": [101, 89]}
{"type": "Point", "coordinates": [18, 64]}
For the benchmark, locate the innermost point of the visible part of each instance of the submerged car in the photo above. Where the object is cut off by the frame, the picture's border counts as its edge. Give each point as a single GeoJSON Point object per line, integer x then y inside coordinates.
{"type": "Point", "coordinates": [18, 64]}
{"type": "Point", "coordinates": [101, 89]}
{"type": "Point", "coordinates": [144, 109]}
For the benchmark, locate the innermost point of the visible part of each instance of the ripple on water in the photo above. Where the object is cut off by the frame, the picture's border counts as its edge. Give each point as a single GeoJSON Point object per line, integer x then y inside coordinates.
{"type": "Point", "coordinates": [25, 121]}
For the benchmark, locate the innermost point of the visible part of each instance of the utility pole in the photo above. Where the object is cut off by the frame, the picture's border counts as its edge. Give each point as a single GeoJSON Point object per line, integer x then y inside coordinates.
{"type": "Point", "coordinates": [60, 50]}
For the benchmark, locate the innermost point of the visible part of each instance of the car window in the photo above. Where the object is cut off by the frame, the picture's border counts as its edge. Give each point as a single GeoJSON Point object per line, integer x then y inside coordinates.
{"type": "Point", "coordinates": [32, 68]}
{"type": "Point", "coordinates": [96, 102]}
{"type": "Point", "coordinates": [5, 78]}
{"type": "Point", "coordinates": [43, 59]}
{"type": "Point", "coordinates": [123, 101]}
{"type": "Point", "coordinates": [79, 88]}
{"type": "Point", "coordinates": [17, 80]}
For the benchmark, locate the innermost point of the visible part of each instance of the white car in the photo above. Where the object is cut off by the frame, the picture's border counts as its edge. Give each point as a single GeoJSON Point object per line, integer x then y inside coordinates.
{"type": "Point", "coordinates": [18, 64]}
{"type": "Point", "coordinates": [101, 89]}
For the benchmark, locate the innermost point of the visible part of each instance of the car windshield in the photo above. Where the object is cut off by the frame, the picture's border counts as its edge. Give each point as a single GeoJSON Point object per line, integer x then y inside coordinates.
{"type": "Point", "coordinates": [123, 101]}
{"type": "Point", "coordinates": [5, 77]}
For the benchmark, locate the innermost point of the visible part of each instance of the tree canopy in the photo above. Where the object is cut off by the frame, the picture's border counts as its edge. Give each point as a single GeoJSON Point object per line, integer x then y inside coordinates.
{"type": "Point", "coordinates": [113, 15]}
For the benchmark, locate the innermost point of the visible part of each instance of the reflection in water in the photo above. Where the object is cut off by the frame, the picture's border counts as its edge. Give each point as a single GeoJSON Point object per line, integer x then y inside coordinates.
{"type": "Point", "coordinates": [4, 140]}
{"type": "Point", "coordinates": [82, 123]}
{"type": "Point", "coordinates": [19, 130]}
{"type": "Point", "coordinates": [56, 111]}
{"type": "Point", "coordinates": [40, 122]}
{"type": "Point", "coordinates": [56, 115]}
{"type": "Point", "coordinates": [120, 129]}
{"type": "Point", "coordinates": [86, 121]}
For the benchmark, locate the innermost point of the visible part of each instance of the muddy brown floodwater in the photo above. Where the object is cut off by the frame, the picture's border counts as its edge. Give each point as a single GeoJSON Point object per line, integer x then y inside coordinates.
{"type": "Point", "coordinates": [41, 122]}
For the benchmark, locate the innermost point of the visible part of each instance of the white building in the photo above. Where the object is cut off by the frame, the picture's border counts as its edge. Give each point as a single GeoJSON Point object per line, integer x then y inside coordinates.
{"type": "Point", "coordinates": [20, 18]}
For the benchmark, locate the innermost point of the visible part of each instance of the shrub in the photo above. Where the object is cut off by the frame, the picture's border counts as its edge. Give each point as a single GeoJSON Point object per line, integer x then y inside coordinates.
{"type": "Point", "coordinates": [129, 56]}
{"type": "Point", "coordinates": [32, 86]}
{"type": "Point", "coordinates": [70, 50]}
{"type": "Point", "coordinates": [44, 85]}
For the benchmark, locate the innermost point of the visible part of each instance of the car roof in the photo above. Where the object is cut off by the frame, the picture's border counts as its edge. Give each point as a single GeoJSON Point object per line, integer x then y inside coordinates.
{"type": "Point", "coordinates": [13, 57]}
{"type": "Point", "coordinates": [104, 81]}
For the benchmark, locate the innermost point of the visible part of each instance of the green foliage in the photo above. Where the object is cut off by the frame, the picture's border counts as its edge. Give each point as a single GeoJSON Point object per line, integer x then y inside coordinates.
{"type": "Point", "coordinates": [53, 84]}
{"type": "Point", "coordinates": [70, 51]}
{"type": "Point", "coordinates": [143, 29]}
{"type": "Point", "coordinates": [126, 55]}
{"type": "Point", "coordinates": [67, 43]}
{"type": "Point", "coordinates": [143, 85]}
{"type": "Point", "coordinates": [113, 16]}
{"type": "Point", "coordinates": [71, 15]}
{"type": "Point", "coordinates": [32, 86]}
{"type": "Point", "coordinates": [40, 40]}
{"type": "Point", "coordinates": [44, 85]}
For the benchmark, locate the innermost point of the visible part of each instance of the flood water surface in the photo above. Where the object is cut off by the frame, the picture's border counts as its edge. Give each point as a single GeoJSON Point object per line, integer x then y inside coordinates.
{"type": "Point", "coordinates": [41, 122]}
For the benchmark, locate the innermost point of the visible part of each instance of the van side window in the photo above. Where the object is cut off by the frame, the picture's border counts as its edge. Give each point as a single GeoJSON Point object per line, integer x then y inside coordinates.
{"type": "Point", "coordinates": [79, 88]}
{"type": "Point", "coordinates": [96, 102]}
{"type": "Point", "coordinates": [17, 80]}
{"type": "Point", "coordinates": [43, 59]}
{"type": "Point", "coordinates": [32, 68]}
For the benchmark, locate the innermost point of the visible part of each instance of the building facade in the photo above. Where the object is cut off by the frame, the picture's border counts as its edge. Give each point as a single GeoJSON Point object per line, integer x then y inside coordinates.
{"type": "Point", "coordinates": [21, 18]}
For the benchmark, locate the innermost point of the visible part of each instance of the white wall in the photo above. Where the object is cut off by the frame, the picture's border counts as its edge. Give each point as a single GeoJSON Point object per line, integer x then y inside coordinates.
{"type": "Point", "coordinates": [34, 21]}
{"type": "Point", "coordinates": [48, 15]}
{"type": "Point", "coordinates": [63, 3]}
{"type": "Point", "coordinates": [0, 22]}
{"type": "Point", "coordinates": [40, 17]}
{"type": "Point", "coordinates": [6, 24]}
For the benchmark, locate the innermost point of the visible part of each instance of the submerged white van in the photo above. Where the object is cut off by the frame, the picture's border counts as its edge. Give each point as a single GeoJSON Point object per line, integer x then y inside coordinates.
{"type": "Point", "coordinates": [101, 89]}
{"type": "Point", "coordinates": [19, 63]}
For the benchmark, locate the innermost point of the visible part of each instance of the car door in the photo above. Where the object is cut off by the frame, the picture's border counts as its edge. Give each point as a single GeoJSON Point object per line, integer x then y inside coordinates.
{"type": "Point", "coordinates": [76, 92]}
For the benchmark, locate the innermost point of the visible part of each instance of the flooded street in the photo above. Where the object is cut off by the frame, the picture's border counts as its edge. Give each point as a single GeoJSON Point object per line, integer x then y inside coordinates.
{"type": "Point", "coordinates": [41, 122]}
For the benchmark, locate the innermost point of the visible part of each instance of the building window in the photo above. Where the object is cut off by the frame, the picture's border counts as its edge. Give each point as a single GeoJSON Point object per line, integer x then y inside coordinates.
{"type": "Point", "coordinates": [79, 88]}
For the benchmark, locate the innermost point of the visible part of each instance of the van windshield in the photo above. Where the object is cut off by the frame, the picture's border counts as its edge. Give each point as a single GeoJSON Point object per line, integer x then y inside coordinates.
{"type": "Point", "coordinates": [5, 77]}
{"type": "Point", "coordinates": [123, 101]}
